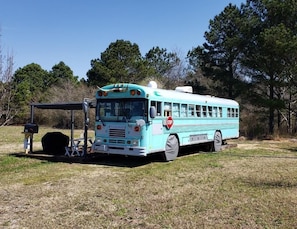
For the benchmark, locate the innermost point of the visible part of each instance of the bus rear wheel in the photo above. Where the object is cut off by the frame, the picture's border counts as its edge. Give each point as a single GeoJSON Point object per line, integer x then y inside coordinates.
{"type": "Point", "coordinates": [171, 148]}
{"type": "Point", "coordinates": [217, 144]}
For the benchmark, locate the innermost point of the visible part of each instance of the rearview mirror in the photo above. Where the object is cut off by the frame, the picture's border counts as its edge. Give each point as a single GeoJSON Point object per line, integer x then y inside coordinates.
{"type": "Point", "coordinates": [153, 112]}
{"type": "Point", "coordinates": [85, 107]}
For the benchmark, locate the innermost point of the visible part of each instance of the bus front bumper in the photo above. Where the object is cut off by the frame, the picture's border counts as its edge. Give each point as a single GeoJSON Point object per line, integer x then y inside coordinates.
{"type": "Point", "coordinates": [120, 150]}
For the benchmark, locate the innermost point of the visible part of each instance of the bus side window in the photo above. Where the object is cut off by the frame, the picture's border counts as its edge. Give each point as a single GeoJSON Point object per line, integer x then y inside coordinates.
{"type": "Point", "coordinates": [191, 110]}
{"type": "Point", "coordinates": [184, 110]}
{"type": "Point", "coordinates": [204, 113]}
{"type": "Point", "coordinates": [229, 112]}
{"type": "Point", "coordinates": [159, 108]}
{"type": "Point", "coordinates": [209, 111]}
{"type": "Point", "coordinates": [215, 112]}
{"type": "Point", "coordinates": [167, 109]}
{"type": "Point", "coordinates": [198, 110]}
{"type": "Point", "coordinates": [175, 110]}
{"type": "Point", "coordinates": [220, 112]}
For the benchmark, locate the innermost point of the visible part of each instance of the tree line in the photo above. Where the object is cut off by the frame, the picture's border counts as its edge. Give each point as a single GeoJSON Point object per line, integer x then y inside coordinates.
{"type": "Point", "coordinates": [249, 55]}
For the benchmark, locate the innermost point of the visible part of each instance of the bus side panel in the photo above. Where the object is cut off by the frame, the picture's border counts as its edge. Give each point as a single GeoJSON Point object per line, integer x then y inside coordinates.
{"type": "Point", "coordinates": [202, 131]}
{"type": "Point", "coordinates": [232, 131]}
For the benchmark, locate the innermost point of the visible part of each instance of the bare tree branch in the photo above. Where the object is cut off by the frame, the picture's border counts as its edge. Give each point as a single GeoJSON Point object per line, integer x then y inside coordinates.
{"type": "Point", "coordinates": [7, 110]}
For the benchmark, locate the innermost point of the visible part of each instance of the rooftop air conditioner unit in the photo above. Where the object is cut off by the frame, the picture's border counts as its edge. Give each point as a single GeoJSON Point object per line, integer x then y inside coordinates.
{"type": "Point", "coordinates": [185, 89]}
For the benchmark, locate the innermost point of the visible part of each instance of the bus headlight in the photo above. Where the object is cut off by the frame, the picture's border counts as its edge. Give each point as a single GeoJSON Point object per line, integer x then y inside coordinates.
{"type": "Point", "coordinates": [135, 142]}
{"type": "Point", "coordinates": [98, 141]}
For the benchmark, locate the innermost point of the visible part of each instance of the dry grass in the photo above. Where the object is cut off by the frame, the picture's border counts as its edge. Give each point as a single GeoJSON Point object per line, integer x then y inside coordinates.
{"type": "Point", "coordinates": [251, 186]}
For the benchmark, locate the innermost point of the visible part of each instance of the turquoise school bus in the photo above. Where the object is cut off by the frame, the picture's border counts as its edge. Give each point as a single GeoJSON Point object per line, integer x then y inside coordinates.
{"type": "Point", "coordinates": [140, 120]}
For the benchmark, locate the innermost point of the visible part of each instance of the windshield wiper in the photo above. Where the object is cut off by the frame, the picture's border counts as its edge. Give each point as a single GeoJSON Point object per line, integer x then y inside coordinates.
{"type": "Point", "coordinates": [103, 123]}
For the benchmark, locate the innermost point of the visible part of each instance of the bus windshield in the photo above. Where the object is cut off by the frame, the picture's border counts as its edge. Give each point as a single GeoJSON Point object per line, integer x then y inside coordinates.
{"type": "Point", "coordinates": [124, 110]}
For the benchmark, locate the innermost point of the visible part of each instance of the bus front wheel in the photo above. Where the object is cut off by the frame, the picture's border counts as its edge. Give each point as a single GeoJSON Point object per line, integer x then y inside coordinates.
{"type": "Point", "coordinates": [217, 144]}
{"type": "Point", "coordinates": [171, 148]}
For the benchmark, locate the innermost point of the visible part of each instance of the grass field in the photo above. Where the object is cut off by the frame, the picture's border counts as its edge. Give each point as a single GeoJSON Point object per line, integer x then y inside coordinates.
{"type": "Point", "coordinates": [253, 185]}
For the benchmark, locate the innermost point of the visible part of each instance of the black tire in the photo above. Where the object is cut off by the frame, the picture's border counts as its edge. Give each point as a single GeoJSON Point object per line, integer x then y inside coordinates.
{"type": "Point", "coordinates": [171, 148]}
{"type": "Point", "coordinates": [217, 144]}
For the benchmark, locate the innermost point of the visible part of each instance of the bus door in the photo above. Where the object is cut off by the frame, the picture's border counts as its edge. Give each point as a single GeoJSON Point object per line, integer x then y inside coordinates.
{"type": "Point", "coordinates": [156, 130]}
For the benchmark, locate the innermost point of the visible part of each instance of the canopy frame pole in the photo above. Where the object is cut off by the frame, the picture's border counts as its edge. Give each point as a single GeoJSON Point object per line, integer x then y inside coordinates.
{"type": "Point", "coordinates": [31, 121]}
{"type": "Point", "coordinates": [72, 129]}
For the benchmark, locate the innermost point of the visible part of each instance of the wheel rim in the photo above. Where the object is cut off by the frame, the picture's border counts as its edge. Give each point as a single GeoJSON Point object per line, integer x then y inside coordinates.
{"type": "Point", "coordinates": [217, 141]}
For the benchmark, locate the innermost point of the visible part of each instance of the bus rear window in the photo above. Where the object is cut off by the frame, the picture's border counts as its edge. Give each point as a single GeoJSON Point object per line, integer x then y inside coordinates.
{"type": "Point", "coordinates": [233, 112]}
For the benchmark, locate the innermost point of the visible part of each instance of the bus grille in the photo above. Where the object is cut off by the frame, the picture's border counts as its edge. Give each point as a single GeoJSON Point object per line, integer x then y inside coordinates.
{"type": "Point", "coordinates": [117, 133]}
{"type": "Point", "coordinates": [115, 141]}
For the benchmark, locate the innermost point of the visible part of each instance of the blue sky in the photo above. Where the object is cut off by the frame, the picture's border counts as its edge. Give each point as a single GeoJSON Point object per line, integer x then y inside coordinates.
{"type": "Point", "coordinates": [76, 31]}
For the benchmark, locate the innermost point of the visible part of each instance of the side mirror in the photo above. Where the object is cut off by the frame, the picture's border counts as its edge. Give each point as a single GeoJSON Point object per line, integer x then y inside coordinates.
{"type": "Point", "coordinates": [153, 112]}
{"type": "Point", "coordinates": [85, 107]}
{"type": "Point", "coordinates": [140, 122]}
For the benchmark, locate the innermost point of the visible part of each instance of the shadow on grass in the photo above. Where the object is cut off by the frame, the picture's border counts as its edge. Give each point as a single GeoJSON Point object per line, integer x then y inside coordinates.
{"type": "Point", "coordinates": [266, 183]}
{"type": "Point", "coordinates": [117, 160]}
{"type": "Point", "coordinates": [105, 159]}
{"type": "Point", "coordinates": [262, 156]}
{"type": "Point", "coordinates": [292, 149]}
{"type": "Point", "coordinates": [95, 158]}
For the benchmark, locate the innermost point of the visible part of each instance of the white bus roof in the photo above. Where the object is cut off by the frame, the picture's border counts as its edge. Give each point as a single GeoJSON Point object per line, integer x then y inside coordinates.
{"type": "Point", "coordinates": [177, 96]}
{"type": "Point", "coordinates": [187, 97]}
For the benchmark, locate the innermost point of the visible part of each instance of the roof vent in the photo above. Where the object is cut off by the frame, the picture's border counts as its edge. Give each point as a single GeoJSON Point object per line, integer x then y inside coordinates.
{"type": "Point", "coordinates": [152, 84]}
{"type": "Point", "coordinates": [185, 89]}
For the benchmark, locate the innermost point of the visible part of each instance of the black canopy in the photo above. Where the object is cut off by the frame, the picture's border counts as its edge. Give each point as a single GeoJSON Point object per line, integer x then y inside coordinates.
{"type": "Point", "coordinates": [60, 106]}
